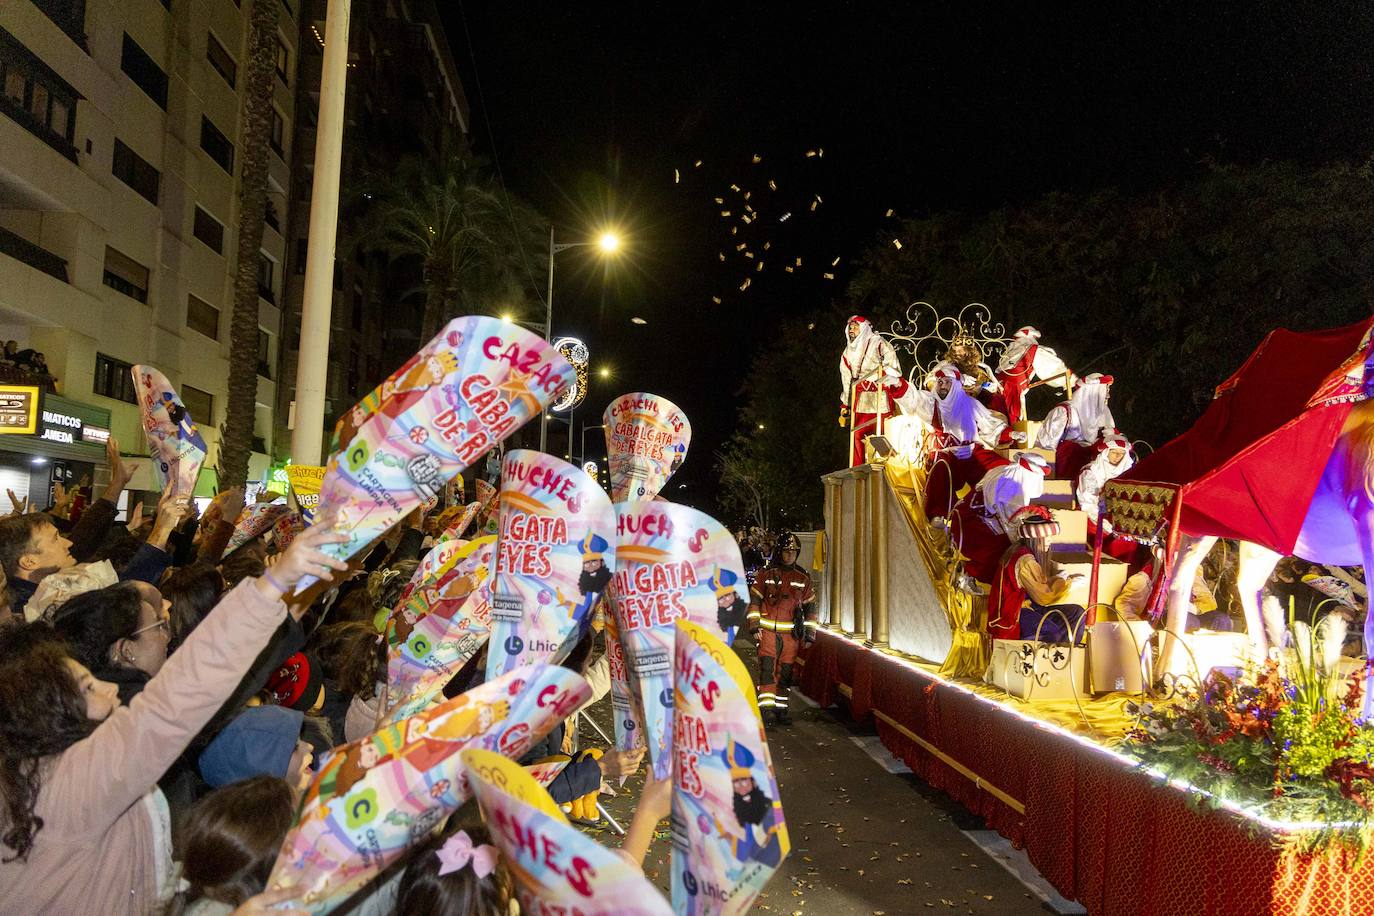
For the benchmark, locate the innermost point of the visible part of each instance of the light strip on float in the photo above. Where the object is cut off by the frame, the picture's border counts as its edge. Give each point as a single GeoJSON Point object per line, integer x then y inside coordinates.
{"type": "Point", "coordinates": [1252, 814]}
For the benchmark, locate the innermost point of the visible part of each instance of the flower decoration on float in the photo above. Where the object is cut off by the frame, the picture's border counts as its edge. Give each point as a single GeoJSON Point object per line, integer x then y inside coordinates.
{"type": "Point", "coordinates": [577, 354]}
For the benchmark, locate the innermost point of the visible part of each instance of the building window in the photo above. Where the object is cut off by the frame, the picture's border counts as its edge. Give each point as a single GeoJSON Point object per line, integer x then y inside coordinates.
{"type": "Point", "coordinates": [270, 217]}
{"type": "Point", "coordinates": [283, 62]}
{"type": "Point", "coordinates": [36, 97]}
{"type": "Point", "coordinates": [132, 169]}
{"type": "Point", "coordinates": [199, 404]}
{"type": "Point", "coordinates": [125, 275]}
{"type": "Point", "coordinates": [216, 144]}
{"type": "Point", "coordinates": [202, 317]}
{"type": "Point", "coordinates": [302, 246]}
{"type": "Point", "coordinates": [264, 354]}
{"type": "Point", "coordinates": [278, 132]}
{"type": "Point", "coordinates": [219, 59]}
{"type": "Point", "coordinates": [114, 379]}
{"type": "Point", "coordinates": [69, 16]}
{"type": "Point", "coordinates": [144, 71]}
{"type": "Point", "coordinates": [209, 230]}
{"type": "Point", "coordinates": [266, 273]}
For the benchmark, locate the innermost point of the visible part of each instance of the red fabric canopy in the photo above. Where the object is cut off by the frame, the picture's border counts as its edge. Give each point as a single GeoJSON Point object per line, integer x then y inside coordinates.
{"type": "Point", "coordinates": [1248, 467]}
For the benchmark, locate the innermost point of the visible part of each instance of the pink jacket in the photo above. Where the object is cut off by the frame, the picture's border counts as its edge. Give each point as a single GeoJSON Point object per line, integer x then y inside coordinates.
{"type": "Point", "coordinates": [99, 851]}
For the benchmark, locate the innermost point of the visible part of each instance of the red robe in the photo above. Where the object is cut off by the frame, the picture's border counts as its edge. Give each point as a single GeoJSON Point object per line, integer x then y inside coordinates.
{"type": "Point", "coordinates": [981, 546]}
{"type": "Point", "coordinates": [1007, 598]}
{"type": "Point", "coordinates": [949, 474]}
{"type": "Point", "coordinates": [1014, 384]}
{"type": "Point", "coordinates": [867, 424]}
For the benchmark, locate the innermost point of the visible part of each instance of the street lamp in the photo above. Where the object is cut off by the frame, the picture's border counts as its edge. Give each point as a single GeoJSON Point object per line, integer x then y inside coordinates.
{"type": "Point", "coordinates": [608, 243]}
{"type": "Point", "coordinates": [584, 440]}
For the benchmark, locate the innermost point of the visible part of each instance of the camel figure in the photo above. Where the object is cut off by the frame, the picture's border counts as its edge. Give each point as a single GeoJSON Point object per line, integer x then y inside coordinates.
{"type": "Point", "coordinates": [1338, 530]}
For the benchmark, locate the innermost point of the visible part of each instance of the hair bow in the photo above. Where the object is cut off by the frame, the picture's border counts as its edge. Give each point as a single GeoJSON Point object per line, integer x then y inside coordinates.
{"type": "Point", "coordinates": [458, 851]}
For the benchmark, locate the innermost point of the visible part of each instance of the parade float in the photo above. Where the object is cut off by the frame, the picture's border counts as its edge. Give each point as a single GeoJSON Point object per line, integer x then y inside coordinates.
{"type": "Point", "coordinates": [1144, 769]}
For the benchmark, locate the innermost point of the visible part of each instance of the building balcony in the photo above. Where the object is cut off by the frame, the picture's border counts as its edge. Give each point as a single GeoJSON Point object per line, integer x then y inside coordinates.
{"type": "Point", "coordinates": [13, 375]}
{"type": "Point", "coordinates": [21, 249]}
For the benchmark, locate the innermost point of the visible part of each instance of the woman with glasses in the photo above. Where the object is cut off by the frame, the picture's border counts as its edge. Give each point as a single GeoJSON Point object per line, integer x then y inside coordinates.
{"type": "Point", "coordinates": [120, 634]}
{"type": "Point", "coordinates": [83, 827]}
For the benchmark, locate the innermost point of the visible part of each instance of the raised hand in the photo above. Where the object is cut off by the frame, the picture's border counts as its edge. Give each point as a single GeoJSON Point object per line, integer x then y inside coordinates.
{"type": "Point", "coordinates": [20, 505]}
{"type": "Point", "coordinates": [305, 558]}
{"type": "Point", "coordinates": [120, 473]}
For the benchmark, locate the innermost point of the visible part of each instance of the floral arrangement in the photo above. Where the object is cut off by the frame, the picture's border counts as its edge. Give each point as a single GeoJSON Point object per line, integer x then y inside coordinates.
{"type": "Point", "coordinates": [1285, 739]}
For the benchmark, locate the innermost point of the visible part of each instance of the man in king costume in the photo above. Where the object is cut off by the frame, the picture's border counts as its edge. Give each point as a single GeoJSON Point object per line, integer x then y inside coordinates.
{"type": "Point", "coordinates": [870, 381]}
{"type": "Point", "coordinates": [782, 616]}
{"type": "Point", "coordinates": [1074, 427]}
{"type": "Point", "coordinates": [1024, 361]}
{"type": "Point", "coordinates": [981, 526]}
{"type": "Point", "coordinates": [1028, 587]}
{"type": "Point", "coordinates": [1113, 456]}
{"type": "Point", "coordinates": [966, 433]}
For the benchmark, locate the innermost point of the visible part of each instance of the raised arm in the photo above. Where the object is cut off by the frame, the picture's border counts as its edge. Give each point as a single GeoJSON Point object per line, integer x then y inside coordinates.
{"type": "Point", "coordinates": [102, 775]}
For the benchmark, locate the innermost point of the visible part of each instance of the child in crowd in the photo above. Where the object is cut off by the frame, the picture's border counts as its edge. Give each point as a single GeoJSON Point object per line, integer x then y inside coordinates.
{"type": "Point", "coordinates": [458, 871]}
{"type": "Point", "coordinates": [119, 633]}
{"type": "Point", "coordinates": [229, 843]}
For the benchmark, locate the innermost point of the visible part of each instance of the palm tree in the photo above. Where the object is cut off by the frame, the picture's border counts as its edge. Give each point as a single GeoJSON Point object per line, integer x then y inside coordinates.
{"type": "Point", "coordinates": [449, 215]}
{"type": "Point", "coordinates": [236, 439]}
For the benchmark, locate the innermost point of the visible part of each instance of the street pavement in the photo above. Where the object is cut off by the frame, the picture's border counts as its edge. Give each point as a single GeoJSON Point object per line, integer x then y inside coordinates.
{"type": "Point", "coordinates": [868, 837]}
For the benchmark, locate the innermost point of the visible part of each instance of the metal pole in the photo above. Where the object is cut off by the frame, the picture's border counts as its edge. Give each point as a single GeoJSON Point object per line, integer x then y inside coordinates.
{"type": "Point", "coordinates": [312, 366]}
{"type": "Point", "coordinates": [548, 335]}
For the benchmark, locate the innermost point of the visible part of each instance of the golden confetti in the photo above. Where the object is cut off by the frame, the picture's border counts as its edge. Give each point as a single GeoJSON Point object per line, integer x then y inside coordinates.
{"type": "Point", "coordinates": [767, 245]}
{"type": "Point", "coordinates": [772, 185]}
{"type": "Point", "coordinates": [799, 262]}
{"type": "Point", "coordinates": [784, 217]}
{"type": "Point", "coordinates": [757, 159]}
{"type": "Point", "coordinates": [898, 243]}
{"type": "Point", "coordinates": [747, 193]}
{"type": "Point", "coordinates": [716, 300]}
{"type": "Point", "coordinates": [746, 218]}
{"type": "Point", "coordinates": [810, 154]}
{"type": "Point", "coordinates": [789, 268]}
{"type": "Point", "coordinates": [741, 246]}
{"type": "Point", "coordinates": [735, 188]}
{"type": "Point", "coordinates": [889, 212]}
{"type": "Point", "coordinates": [835, 263]}
{"type": "Point", "coordinates": [748, 254]}
{"type": "Point", "coordinates": [721, 254]}
{"type": "Point", "coordinates": [677, 177]}
{"type": "Point", "coordinates": [698, 165]}
{"type": "Point", "coordinates": [734, 230]}
{"type": "Point", "coordinates": [820, 153]}
{"type": "Point", "coordinates": [760, 267]}
{"type": "Point", "coordinates": [745, 285]}
{"type": "Point", "coordinates": [814, 204]}
{"type": "Point", "coordinates": [724, 214]}
{"type": "Point", "coordinates": [828, 275]}
{"type": "Point", "coordinates": [720, 200]}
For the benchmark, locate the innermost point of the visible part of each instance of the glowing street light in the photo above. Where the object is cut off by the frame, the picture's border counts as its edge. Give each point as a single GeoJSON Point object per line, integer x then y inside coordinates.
{"type": "Point", "coordinates": [604, 372]}
{"type": "Point", "coordinates": [609, 244]}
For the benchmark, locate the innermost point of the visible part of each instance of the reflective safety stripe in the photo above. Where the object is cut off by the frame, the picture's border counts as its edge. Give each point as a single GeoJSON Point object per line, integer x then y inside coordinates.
{"type": "Point", "coordinates": [753, 615]}
{"type": "Point", "coordinates": [812, 623]}
{"type": "Point", "coordinates": [777, 626]}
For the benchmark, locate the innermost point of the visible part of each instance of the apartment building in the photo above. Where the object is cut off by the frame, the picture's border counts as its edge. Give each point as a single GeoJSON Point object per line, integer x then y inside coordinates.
{"type": "Point", "coordinates": [404, 97]}
{"type": "Point", "coordinates": [119, 126]}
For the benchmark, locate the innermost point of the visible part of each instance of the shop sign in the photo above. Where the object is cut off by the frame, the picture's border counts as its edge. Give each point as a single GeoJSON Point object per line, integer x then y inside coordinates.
{"type": "Point", "coordinates": [98, 435]}
{"type": "Point", "coordinates": [61, 427]}
{"type": "Point", "coordinates": [18, 409]}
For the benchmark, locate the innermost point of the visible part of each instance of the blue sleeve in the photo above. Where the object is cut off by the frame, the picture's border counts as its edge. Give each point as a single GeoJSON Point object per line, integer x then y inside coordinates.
{"type": "Point", "coordinates": [147, 565]}
{"type": "Point", "coordinates": [576, 780]}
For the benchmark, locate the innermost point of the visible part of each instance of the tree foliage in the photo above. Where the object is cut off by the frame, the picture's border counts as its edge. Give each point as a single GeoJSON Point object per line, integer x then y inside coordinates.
{"type": "Point", "coordinates": [1169, 292]}
{"type": "Point", "coordinates": [475, 247]}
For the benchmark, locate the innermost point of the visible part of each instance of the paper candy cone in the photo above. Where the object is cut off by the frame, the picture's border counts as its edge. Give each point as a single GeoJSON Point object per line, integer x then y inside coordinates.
{"type": "Point", "coordinates": [439, 630]}
{"type": "Point", "coordinates": [629, 717]}
{"type": "Point", "coordinates": [646, 441]}
{"type": "Point", "coordinates": [445, 574]}
{"type": "Point", "coordinates": [254, 521]}
{"type": "Point", "coordinates": [487, 506]}
{"type": "Point", "coordinates": [371, 799]}
{"type": "Point", "coordinates": [672, 563]}
{"type": "Point", "coordinates": [304, 482]}
{"type": "Point", "coordinates": [553, 559]}
{"type": "Point", "coordinates": [174, 441]}
{"type": "Point", "coordinates": [285, 529]}
{"type": "Point", "coordinates": [470, 387]}
{"type": "Point", "coordinates": [722, 858]}
{"type": "Point", "coordinates": [556, 867]}
{"type": "Point", "coordinates": [546, 771]}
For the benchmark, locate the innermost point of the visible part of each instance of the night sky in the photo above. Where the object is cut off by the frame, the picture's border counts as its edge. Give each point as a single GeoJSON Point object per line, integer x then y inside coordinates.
{"type": "Point", "coordinates": [918, 107]}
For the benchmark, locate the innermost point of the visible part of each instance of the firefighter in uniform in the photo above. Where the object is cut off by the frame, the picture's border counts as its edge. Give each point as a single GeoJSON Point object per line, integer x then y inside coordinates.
{"type": "Point", "coordinates": [782, 619]}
